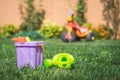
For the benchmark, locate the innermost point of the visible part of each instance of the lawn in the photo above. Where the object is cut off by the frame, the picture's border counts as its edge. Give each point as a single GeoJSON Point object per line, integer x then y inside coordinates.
{"type": "Point", "coordinates": [98, 60]}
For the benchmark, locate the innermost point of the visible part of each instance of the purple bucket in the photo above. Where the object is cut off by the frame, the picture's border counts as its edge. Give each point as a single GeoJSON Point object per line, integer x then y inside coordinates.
{"type": "Point", "coordinates": [29, 53]}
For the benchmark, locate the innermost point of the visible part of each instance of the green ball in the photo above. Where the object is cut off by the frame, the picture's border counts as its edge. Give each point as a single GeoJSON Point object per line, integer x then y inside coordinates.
{"type": "Point", "coordinates": [47, 63]}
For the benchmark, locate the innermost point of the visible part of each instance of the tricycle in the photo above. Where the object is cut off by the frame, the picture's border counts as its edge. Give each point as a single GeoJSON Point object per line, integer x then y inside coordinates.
{"type": "Point", "coordinates": [75, 32]}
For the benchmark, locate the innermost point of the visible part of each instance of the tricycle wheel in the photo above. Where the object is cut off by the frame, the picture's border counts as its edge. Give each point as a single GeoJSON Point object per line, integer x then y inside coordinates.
{"type": "Point", "coordinates": [72, 39]}
{"type": "Point", "coordinates": [78, 38]}
{"type": "Point", "coordinates": [90, 37]}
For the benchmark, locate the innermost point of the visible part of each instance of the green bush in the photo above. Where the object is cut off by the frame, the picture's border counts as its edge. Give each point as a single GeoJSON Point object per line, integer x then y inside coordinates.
{"type": "Point", "coordinates": [81, 10]}
{"type": "Point", "coordinates": [107, 28]}
{"type": "Point", "coordinates": [50, 30]}
{"type": "Point", "coordinates": [103, 32]}
{"type": "Point", "coordinates": [32, 17]}
{"type": "Point", "coordinates": [7, 30]}
{"type": "Point", "coordinates": [32, 34]}
{"type": "Point", "coordinates": [88, 24]}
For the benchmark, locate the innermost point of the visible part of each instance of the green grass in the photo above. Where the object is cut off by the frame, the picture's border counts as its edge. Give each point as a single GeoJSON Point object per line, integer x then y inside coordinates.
{"type": "Point", "coordinates": [98, 60]}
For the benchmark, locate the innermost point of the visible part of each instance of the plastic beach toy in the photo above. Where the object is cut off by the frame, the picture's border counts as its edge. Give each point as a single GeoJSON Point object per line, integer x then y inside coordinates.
{"type": "Point", "coordinates": [47, 63]}
{"type": "Point", "coordinates": [21, 39]}
{"type": "Point", "coordinates": [29, 53]}
{"type": "Point", "coordinates": [62, 60]}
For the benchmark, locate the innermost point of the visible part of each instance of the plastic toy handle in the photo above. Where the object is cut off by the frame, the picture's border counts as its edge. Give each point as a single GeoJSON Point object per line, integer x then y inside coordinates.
{"type": "Point", "coordinates": [21, 39]}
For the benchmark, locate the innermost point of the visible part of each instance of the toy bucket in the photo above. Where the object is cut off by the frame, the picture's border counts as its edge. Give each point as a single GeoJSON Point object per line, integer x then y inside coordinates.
{"type": "Point", "coordinates": [29, 53]}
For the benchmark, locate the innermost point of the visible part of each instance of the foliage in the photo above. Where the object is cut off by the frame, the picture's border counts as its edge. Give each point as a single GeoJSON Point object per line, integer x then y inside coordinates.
{"type": "Point", "coordinates": [111, 14]}
{"type": "Point", "coordinates": [8, 30]}
{"type": "Point", "coordinates": [31, 34]}
{"type": "Point", "coordinates": [50, 30]}
{"type": "Point", "coordinates": [31, 16]}
{"type": "Point", "coordinates": [103, 32]}
{"type": "Point", "coordinates": [88, 24]}
{"type": "Point", "coordinates": [81, 9]}
{"type": "Point", "coordinates": [98, 60]}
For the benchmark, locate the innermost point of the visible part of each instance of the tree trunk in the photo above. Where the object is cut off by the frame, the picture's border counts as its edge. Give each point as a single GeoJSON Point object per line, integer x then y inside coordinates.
{"type": "Point", "coordinates": [115, 35]}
